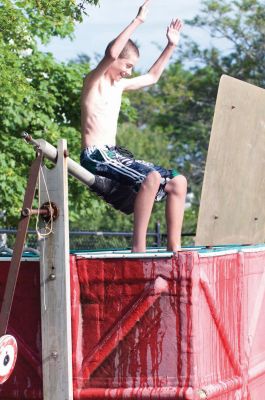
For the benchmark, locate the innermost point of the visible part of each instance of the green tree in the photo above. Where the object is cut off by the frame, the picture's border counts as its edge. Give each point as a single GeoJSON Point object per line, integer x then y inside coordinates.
{"type": "Point", "coordinates": [36, 92]}
{"type": "Point", "coordinates": [169, 123]}
{"type": "Point", "coordinates": [47, 108]}
{"type": "Point", "coordinates": [41, 96]}
{"type": "Point", "coordinates": [181, 105]}
{"type": "Point", "coordinates": [241, 24]}
{"type": "Point", "coordinates": [238, 26]}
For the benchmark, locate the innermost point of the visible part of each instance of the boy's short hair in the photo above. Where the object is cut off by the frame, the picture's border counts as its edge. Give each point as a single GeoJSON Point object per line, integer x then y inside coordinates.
{"type": "Point", "coordinates": [130, 47]}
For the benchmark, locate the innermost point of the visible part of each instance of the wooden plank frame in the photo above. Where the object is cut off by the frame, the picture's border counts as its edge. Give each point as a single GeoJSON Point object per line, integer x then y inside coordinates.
{"type": "Point", "coordinates": [19, 244]}
{"type": "Point", "coordinates": [232, 201]}
{"type": "Point", "coordinates": [55, 285]}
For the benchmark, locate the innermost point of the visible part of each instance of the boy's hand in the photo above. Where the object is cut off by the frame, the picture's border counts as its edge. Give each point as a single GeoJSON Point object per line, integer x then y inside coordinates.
{"type": "Point", "coordinates": [143, 11]}
{"type": "Point", "coordinates": [173, 31]}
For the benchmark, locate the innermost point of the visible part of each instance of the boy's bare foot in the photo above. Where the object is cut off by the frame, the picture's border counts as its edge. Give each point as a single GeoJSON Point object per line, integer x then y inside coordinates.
{"type": "Point", "coordinates": [175, 250]}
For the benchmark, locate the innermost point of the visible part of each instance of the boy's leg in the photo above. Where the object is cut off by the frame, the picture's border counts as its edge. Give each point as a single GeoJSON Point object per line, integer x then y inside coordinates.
{"type": "Point", "coordinates": [119, 166]}
{"type": "Point", "coordinates": [142, 210]}
{"type": "Point", "coordinates": [176, 190]}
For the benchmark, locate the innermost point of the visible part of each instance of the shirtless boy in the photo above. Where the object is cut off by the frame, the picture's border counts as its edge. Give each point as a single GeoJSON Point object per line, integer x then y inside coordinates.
{"type": "Point", "coordinates": [100, 104]}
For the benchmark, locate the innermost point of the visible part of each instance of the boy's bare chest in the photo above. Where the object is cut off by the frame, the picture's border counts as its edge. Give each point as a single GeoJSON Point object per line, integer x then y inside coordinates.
{"type": "Point", "coordinates": [109, 98]}
{"type": "Point", "coordinates": [102, 101]}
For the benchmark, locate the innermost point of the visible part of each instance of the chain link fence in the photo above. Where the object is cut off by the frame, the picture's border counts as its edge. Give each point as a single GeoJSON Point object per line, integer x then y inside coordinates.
{"type": "Point", "coordinates": [93, 240]}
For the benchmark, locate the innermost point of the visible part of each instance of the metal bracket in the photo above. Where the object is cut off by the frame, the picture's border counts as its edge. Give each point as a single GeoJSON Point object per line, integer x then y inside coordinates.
{"type": "Point", "coordinates": [48, 211]}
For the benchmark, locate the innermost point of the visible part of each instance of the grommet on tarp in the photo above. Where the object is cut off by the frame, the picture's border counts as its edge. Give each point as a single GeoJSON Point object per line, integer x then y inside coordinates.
{"type": "Point", "coordinates": [8, 356]}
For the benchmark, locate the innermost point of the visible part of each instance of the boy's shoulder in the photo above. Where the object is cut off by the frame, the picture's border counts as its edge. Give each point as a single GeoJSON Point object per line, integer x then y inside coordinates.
{"type": "Point", "coordinates": [92, 77]}
{"type": "Point", "coordinates": [93, 82]}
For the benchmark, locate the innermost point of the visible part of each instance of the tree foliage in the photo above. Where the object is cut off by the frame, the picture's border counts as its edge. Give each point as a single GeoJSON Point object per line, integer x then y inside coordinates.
{"type": "Point", "coordinates": [169, 123]}
{"type": "Point", "coordinates": [181, 105]}
{"type": "Point", "coordinates": [241, 24]}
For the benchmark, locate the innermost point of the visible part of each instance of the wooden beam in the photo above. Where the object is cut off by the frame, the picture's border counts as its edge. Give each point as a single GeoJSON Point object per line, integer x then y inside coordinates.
{"type": "Point", "coordinates": [55, 285]}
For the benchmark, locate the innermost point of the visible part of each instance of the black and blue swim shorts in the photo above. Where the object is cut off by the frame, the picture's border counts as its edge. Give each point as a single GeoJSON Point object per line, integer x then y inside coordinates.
{"type": "Point", "coordinates": [119, 175]}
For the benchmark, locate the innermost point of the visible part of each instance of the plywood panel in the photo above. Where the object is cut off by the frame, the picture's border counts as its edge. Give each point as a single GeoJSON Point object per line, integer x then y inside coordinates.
{"type": "Point", "coordinates": [232, 208]}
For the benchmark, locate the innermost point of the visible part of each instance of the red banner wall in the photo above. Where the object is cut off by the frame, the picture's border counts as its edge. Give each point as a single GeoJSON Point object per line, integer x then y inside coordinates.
{"type": "Point", "coordinates": [186, 327]}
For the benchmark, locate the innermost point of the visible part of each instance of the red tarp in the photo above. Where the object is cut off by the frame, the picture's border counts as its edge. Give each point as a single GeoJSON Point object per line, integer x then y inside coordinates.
{"type": "Point", "coordinates": [188, 327]}
{"type": "Point", "coordinates": [24, 324]}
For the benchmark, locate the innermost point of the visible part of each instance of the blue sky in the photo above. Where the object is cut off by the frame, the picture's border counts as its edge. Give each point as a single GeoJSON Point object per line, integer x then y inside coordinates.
{"type": "Point", "coordinates": [105, 22]}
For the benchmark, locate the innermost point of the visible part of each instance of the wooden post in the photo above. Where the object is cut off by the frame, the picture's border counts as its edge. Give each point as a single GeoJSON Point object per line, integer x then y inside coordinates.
{"type": "Point", "coordinates": [55, 285]}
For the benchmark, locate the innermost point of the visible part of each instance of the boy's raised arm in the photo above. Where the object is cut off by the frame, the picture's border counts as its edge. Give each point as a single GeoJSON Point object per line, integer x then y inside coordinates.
{"type": "Point", "coordinates": [113, 51]}
{"type": "Point", "coordinates": [119, 43]}
{"type": "Point", "coordinates": [153, 75]}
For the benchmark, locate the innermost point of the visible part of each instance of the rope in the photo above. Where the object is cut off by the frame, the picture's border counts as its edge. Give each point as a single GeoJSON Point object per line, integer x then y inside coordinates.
{"type": "Point", "coordinates": [43, 276]}
{"type": "Point", "coordinates": [48, 230]}
{"type": "Point", "coordinates": [48, 225]}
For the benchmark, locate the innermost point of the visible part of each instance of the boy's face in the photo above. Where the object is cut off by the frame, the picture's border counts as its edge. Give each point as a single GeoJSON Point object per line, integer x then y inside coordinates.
{"type": "Point", "coordinates": [122, 67]}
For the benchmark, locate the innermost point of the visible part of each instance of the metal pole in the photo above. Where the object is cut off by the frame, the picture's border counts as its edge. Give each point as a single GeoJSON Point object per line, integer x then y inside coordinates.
{"type": "Point", "coordinates": [51, 153]}
{"type": "Point", "coordinates": [158, 234]}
